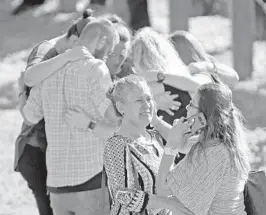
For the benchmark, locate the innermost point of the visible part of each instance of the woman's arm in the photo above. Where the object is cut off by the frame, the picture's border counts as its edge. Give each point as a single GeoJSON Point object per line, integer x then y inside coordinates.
{"type": "Point", "coordinates": [162, 187]}
{"type": "Point", "coordinates": [156, 87]}
{"type": "Point", "coordinates": [161, 126]}
{"type": "Point", "coordinates": [225, 73]}
{"type": "Point", "coordinates": [170, 203]}
{"type": "Point", "coordinates": [41, 70]}
{"type": "Point", "coordinates": [185, 82]}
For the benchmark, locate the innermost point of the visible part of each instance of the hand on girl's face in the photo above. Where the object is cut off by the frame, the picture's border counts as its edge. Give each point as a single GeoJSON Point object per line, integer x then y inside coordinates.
{"type": "Point", "coordinates": [179, 133]}
{"type": "Point", "coordinates": [77, 53]}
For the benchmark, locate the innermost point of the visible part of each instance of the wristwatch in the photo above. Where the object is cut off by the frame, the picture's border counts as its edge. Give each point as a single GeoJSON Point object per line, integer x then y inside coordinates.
{"type": "Point", "coordinates": [170, 151]}
{"type": "Point", "coordinates": [160, 77]}
{"type": "Point", "coordinates": [92, 125]}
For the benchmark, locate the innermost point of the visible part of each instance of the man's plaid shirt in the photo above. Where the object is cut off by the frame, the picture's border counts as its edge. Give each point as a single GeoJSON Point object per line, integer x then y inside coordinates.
{"type": "Point", "coordinates": [73, 155]}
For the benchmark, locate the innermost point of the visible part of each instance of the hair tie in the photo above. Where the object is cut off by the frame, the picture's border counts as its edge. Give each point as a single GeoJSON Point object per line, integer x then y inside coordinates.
{"type": "Point", "coordinates": [87, 13]}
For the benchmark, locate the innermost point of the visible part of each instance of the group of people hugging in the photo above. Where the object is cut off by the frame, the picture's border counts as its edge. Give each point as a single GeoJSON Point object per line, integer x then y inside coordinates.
{"type": "Point", "coordinates": [110, 124]}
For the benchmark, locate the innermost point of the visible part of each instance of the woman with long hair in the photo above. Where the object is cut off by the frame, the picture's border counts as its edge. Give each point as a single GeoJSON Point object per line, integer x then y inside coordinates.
{"type": "Point", "coordinates": [211, 177]}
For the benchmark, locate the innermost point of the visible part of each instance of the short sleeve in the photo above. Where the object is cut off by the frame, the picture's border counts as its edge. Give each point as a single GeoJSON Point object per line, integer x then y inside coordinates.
{"type": "Point", "coordinates": [100, 81]}
{"type": "Point", "coordinates": [40, 53]}
{"type": "Point", "coordinates": [33, 111]}
{"type": "Point", "coordinates": [196, 183]}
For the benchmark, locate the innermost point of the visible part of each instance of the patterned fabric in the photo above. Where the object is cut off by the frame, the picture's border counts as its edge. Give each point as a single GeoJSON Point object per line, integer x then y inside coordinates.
{"type": "Point", "coordinates": [208, 185]}
{"type": "Point", "coordinates": [130, 166]}
{"type": "Point", "coordinates": [73, 155]}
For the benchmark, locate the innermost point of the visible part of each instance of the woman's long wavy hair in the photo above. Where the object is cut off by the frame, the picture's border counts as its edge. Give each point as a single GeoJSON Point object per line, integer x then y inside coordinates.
{"type": "Point", "coordinates": [154, 52]}
{"type": "Point", "coordinates": [225, 123]}
{"type": "Point", "coordinates": [189, 47]}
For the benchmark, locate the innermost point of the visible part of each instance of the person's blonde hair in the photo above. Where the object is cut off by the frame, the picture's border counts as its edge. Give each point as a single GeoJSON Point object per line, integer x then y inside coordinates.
{"type": "Point", "coordinates": [225, 124]}
{"type": "Point", "coordinates": [99, 28]}
{"type": "Point", "coordinates": [154, 52]}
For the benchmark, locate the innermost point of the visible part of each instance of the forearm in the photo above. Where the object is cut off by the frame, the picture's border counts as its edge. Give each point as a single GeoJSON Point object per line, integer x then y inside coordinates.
{"type": "Point", "coordinates": [161, 182]}
{"type": "Point", "coordinates": [40, 71]}
{"type": "Point", "coordinates": [227, 74]}
{"type": "Point", "coordinates": [162, 127]}
{"type": "Point", "coordinates": [186, 83]}
{"type": "Point", "coordinates": [156, 87]}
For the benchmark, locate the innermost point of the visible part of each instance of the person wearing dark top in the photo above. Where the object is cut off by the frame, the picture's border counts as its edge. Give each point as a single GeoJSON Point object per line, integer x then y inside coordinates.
{"type": "Point", "coordinates": [31, 143]}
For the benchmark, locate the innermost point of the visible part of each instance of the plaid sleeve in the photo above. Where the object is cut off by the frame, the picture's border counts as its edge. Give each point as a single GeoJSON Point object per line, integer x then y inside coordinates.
{"type": "Point", "coordinates": [33, 111]}
{"type": "Point", "coordinates": [100, 81]}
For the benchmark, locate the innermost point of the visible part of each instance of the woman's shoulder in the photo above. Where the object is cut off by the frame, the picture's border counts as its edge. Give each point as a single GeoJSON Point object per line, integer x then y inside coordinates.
{"type": "Point", "coordinates": [217, 152]}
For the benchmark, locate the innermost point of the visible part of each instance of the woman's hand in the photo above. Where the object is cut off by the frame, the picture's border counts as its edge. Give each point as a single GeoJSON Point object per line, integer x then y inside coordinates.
{"type": "Point", "coordinates": [179, 134]}
{"type": "Point", "coordinates": [77, 53]}
{"type": "Point", "coordinates": [77, 118]}
{"type": "Point", "coordinates": [166, 102]}
{"type": "Point", "coordinates": [204, 66]}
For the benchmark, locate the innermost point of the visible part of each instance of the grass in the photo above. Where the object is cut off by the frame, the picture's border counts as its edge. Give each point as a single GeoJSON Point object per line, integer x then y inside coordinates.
{"type": "Point", "coordinates": [25, 31]}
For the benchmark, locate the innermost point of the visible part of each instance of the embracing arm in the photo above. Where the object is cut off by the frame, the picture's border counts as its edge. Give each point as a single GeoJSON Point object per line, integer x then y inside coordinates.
{"type": "Point", "coordinates": [185, 82]}
{"type": "Point", "coordinates": [170, 203]}
{"type": "Point", "coordinates": [227, 74]}
{"type": "Point", "coordinates": [41, 70]}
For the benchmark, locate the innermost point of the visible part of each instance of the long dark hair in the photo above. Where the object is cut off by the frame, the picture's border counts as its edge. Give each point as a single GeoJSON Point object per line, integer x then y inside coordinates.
{"type": "Point", "coordinates": [188, 47]}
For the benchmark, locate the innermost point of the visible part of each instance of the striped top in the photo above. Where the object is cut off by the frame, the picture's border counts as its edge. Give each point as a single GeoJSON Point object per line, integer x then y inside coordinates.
{"type": "Point", "coordinates": [131, 165]}
{"type": "Point", "coordinates": [208, 185]}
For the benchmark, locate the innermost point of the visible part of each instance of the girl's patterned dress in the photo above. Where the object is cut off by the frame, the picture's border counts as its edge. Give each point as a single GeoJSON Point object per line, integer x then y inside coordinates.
{"type": "Point", "coordinates": [132, 166]}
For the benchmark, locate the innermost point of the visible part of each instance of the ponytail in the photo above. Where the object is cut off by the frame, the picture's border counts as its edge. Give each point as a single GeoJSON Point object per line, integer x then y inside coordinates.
{"type": "Point", "coordinates": [79, 24]}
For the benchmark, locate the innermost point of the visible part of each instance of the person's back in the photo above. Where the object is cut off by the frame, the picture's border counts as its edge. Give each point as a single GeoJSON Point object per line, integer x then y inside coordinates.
{"type": "Point", "coordinates": [230, 196]}
{"type": "Point", "coordinates": [73, 86]}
